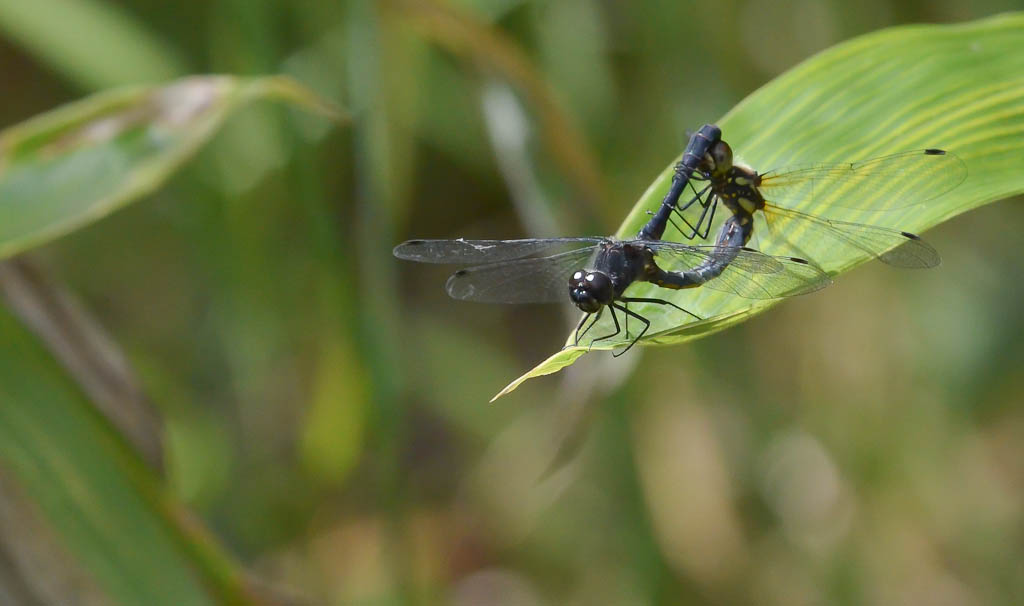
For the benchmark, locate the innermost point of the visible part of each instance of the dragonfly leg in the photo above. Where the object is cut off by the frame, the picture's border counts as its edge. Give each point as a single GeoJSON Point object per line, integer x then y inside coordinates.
{"type": "Point", "coordinates": [696, 196]}
{"type": "Point", "coordinates": [689, 235]}
{"type": "Point", "coordinates": [580, 325]}
{"type": "Point", "coordinates": [694, 228]}
{"type": "Point", "coordinates": [659, 302]}
{"type": "Point", "coordinates": [647, 324]}
{"type": "Point", "coordinates": [711, 219]}
{"type": "Point", "coordinates": [618, 329]}
{"type": "Point", "coordinates": [711, 203]}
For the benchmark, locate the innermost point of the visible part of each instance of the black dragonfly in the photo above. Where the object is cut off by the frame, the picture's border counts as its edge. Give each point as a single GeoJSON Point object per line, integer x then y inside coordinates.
{"type": "Point", "coordinates": [596, 272]}
{"type": "Point", "coordinates": [905, 178]}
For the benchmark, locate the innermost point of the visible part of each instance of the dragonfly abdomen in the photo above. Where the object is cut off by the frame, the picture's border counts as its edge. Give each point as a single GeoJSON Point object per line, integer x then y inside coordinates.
{"type": "Point", "coordinates": [699, 143]}
{"type": "Point", "coordinates": [732, 237]}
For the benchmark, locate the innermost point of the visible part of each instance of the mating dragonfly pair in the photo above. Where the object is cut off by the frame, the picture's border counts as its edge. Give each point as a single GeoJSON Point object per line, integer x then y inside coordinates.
{"type": "Point", "coordinates": [596, 272]}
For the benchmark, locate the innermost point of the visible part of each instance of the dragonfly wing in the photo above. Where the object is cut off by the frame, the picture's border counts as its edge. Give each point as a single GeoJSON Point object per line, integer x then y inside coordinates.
{"type": "Point", "coordinates": [538, 280]}
{"type": "Point", "coordinates": [796, 277]}
{"type": "Point", "coordinates": [818, 238]}
{"type": "Point", "coordinates": [749, 273]}
{"type": "Point", "coordinates": [884, 183]}
{"type": "Point", "coordinates": [680, 256]}
{"type": "Point", "coordinates": [473, 252]}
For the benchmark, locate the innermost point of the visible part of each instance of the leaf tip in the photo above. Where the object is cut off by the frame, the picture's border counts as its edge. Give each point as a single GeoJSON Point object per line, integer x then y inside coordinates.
{"type": "Point", "coordinates": [554, 363]}
{"type": "Point", "coordinates": [288, 89]}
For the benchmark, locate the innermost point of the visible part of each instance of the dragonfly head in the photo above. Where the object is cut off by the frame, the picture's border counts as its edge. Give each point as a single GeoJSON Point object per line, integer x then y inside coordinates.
{"type": "Point", "coordinates": [718, 159]}
{"type": "Point", "coordinates": [590, 290]}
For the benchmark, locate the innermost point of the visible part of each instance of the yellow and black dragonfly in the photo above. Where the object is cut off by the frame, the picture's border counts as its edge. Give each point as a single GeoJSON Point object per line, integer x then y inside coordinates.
{"type": "Point", "coordinates": [903, 179]}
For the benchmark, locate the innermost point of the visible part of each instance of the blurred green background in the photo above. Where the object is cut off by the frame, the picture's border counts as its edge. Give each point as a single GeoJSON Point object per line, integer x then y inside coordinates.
{"type": "Point", "coordinates": [325, 406]}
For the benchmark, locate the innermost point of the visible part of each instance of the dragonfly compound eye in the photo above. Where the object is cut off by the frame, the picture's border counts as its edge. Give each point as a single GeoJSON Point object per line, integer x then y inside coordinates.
{"type": "Point", "coordinates": [590, 290]}
{"type": "Point", "coordinates": [721, 156]}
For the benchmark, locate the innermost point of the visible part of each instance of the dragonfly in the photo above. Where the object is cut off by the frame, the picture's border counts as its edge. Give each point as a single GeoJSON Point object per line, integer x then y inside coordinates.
{"type": "Point", "coordinates": [696, 150]}
{"type": "Point", "coordinates": [906, 178]}
{"type": "Point", "coordinates": [596, 272]}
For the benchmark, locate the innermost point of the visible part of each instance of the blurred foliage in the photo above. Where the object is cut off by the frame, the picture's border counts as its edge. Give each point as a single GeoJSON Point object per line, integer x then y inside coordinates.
{"type": "Point", "coordinates": [861, 445]}
{"type": "Point", "coordinates": [80, 162]}
{"type": "Point", "coordinates": [60, 170]}
{"type": "Point", "coordinates": [86, 482]}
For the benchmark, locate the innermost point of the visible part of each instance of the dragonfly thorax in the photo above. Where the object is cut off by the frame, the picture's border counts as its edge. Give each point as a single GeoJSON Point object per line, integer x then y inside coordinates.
{"type": "Point", "coordinates": [734, 184]}
{"type": "Point", "coordinates": [591, 290]}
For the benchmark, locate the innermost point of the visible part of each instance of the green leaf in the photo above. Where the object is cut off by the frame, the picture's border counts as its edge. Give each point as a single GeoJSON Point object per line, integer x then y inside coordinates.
{"type": "Point", "coordinates": [59, 171]}
{"type": "Point", "coordinates": [52, 30]}
{"type": "Point", "coordinates": [108, 508]}
{"type": "Point", "coordinates": [956, 87]}
{"type": "Point", "coordinates": [73, 165]}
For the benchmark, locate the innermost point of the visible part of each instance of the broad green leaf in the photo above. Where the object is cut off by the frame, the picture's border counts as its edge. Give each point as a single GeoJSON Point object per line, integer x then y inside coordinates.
{"type": "Point", "coordinates": [956, 87]}
{"type": "Point", "coordinates": [109, 510]}
{"type": "Point", "coordinates": [73, 165]}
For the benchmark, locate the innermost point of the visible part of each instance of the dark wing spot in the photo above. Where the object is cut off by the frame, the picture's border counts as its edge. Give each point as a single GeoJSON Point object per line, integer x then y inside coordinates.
{"type": "Point", "coordinates": [799, 260]}
{"type": "Point", "coordinates": [461, 272]}
{"type": "Point", "coordinates": [931, 151]}
{"type": "Point", "coordinates": [910, 235]}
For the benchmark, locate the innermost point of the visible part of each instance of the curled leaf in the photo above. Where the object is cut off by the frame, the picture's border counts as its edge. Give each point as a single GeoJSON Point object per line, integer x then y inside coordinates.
{"type": "Point", "coordinates": [75, 164]}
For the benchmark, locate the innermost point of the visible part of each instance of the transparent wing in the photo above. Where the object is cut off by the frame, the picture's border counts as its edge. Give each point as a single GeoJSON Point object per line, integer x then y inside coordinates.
{"type": "Point", "coordinates": [472, 252]}
{"type": "Point", "coordinates": [884, 183]}
{"type": "Point", "coordinates": [818, 238]}
{"type": "Point", "coordinates": [539, 280]}
{"type": "Point", "coordinates": [748, 273]}
{"type": "Point", "coordinates": [688, 256]}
